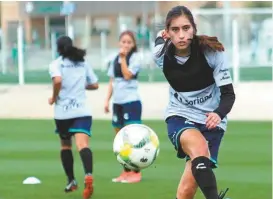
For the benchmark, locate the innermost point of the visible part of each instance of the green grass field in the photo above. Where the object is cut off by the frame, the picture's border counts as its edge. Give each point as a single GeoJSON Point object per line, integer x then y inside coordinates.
{"type": "Point", "coordinates": [30, 148]}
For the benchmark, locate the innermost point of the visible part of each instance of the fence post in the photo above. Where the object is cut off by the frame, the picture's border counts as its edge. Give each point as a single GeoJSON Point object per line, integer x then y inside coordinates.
{"type": "Point", "coordinates": [20, 48]}
{"type": "Point", "coordinates": [235, 52]}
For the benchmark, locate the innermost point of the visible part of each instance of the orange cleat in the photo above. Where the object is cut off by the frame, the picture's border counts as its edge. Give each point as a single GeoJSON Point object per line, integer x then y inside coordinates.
{"type": "Point", "coordinates": [89, 189]}
{"type": "Point", "coordinates": [132, 177]}
{"type": "Point", "coordinates": [122, 177]}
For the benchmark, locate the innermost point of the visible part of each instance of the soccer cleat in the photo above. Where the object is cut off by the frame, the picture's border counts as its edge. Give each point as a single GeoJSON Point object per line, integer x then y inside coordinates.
{"type": "Point", "coordinates": [122, 177]}
{"type": "Point", "coordinates": [132, 177]}
{"type": "Point", "coordinates": [222, 194]}
{"type": "Point", "coordinates": [88, 189]}
{"type": "Point", "coordinates": [71, 186]}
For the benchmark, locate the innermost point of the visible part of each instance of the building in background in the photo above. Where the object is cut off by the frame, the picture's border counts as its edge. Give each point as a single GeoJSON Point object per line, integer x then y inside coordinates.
{"type": "Point", "coordinates": [40, 18]}
{"type": "Point", "coordinates": [44, 19]}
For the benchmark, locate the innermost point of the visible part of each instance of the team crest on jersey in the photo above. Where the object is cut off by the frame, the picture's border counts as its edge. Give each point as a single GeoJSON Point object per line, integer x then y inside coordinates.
{"type": "Point", "coordinates": [126, 116]}
{"type": "Point", "coordinates": [115, 118]}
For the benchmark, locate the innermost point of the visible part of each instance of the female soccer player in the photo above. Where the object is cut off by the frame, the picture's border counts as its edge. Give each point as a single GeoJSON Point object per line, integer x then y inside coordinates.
{"type": "Point", "coordinates": [201, 95]}
{"type": "Point", "coordinates": [71, 76]}
{"type": "Point", "coordinates": [123, 87]}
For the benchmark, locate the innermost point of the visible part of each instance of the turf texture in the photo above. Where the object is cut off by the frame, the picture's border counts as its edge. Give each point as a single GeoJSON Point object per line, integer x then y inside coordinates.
{"type": "Point", "coordinates": [30, 148]}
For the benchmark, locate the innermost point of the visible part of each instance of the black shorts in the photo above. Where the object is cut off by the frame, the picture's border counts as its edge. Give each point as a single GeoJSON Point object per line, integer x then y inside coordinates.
{"type": "Point", "coordinates": [128, 113]}
{"type": "Point", "coordinates": [67, 128]}
{"type": "Point", "coordinates": [177, 125]}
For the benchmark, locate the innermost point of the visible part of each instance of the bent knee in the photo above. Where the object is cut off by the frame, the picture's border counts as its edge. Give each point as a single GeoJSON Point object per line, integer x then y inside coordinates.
{"type": "Point", "coordinates": [194, 143]}
{"type": "Point", "coordinates": [81, 141]}
{"type": "Point", "coordinates": [82, 145]}
{"type": "Point", "coordinates": [66, 144]}
{"type": "Point", "coordinates": [202, 150]}
{"type": "Point", "coordinates": [187, 191]}
{"type": "Point", "coordinates": [66, 148]}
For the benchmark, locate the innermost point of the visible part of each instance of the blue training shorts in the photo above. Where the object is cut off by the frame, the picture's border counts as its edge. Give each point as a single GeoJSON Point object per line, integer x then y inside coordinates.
{"type": "Point", "coordinates": [176, 125]}
{"type": "Point", "coordinates": [128, 113]}
{"type": "Point", "coordinates": [67, 128]}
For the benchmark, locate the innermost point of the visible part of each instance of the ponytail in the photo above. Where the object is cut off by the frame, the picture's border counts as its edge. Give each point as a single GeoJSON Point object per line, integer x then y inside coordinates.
{"type": "Point", "coordinates": [168, 49]}
{"type": "Point", "coordinates": [210, 42]}
{"type": "Point", "coordinates": [73, 53]}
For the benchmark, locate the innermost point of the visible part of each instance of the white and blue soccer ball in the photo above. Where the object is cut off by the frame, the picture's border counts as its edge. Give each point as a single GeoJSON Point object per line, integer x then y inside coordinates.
{"type": "Point", "coordinates": [136, 146]}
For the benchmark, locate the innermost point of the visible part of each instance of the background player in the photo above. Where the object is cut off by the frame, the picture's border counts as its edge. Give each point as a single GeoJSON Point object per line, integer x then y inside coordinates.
{"type": "Point", "coordinates": [201, 95]}
{"type": "Point", "coordinates": [123, 87]}
{"type": "Point", "coordinates": [71, 76]}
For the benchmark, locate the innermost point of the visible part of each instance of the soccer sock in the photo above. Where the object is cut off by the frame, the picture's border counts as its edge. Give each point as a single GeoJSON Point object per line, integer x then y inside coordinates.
{"type": "Point", "coordinates": [87, 160]}
{"type": "Point", "coordinates": [126, 169]}
{"type": "Point", "coordinates": [67, 162]}
{"type": "Point", "coordinates": [204, 176]}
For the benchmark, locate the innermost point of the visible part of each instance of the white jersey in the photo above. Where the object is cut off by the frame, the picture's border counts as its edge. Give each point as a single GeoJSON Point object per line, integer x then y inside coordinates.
{"type": "Point", "coordinates": [194, 105]}
{"type": "Point", "coordinates": [125, 91]}
{"type": "Point", "coordinates": [71, 102]}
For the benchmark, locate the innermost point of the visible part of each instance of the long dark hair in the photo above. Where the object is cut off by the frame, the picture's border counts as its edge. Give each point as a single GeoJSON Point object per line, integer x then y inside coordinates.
{"type": "Point", "coordinates": [67, 50]}
{"type": "Point", "coordinates": [130, 34]}
{"type": "Point", "coordinates": [201, 42]}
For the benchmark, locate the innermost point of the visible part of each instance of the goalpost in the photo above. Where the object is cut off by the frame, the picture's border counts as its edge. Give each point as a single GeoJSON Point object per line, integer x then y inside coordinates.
{"type": "Point", "coordinates": [67, 9]}
{"type": "Point", "coordinates": [235, 52]}
{"type": "Point", "coordinates": [20, 44]}
{"type": "Point", "coordinates": [235, 40]}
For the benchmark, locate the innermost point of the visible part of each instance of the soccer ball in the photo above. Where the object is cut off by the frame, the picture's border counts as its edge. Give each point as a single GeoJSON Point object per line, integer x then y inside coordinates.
{"type": "Point", "coordinates": [136, 146]}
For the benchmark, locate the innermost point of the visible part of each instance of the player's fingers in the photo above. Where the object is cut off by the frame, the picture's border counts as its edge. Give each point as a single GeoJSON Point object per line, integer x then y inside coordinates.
{"type": "Point", "coordinates": [219, 46]}
{"type": "Point", "coordinates": [165, 35]}
{"type": "Point", "coordinates": [213, 126]}
{"type": "Point", "coordinates": [209, 118]}
{"type": "Point", "coordinates": [50, 101]}
{"type": "Point", "coordinates": [209, 125]}
{"type": "Point", "coordinates": [213, 122]}
{"type": "Point", "coordinates": [212, 47]}
{"type": "Point", "coordinates": [160, 33]}
{"type": "Point", "coordinates": [215, 119]}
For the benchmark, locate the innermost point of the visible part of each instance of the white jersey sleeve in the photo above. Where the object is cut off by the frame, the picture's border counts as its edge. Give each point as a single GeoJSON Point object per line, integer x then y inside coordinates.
{"type": "Point", "coordinates": [134, 63]}
{"type": "Point", "coordinates": [55, 69]}
{"type": "Point", "coordinates": [91, 77]}
{"type": "Point", "coordinates": [110, 71]}
{"type": "Point", "coordinates": [221, 71]}
{"type": "Point", "coordinates": [158, 60]}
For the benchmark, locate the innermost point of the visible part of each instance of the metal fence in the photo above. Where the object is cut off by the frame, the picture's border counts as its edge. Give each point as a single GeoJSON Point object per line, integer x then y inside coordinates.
{"type": "Point", "coordinates": [246, 34]}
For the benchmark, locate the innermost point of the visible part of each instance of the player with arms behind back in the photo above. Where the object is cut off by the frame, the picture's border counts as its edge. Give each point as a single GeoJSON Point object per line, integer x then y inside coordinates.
{"type": "Point", "coordinates": [123, 87]}
{"type": "Point", "coordinates": [200, 97]}
{"type": "Point", "coordinates": [71, 76]}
